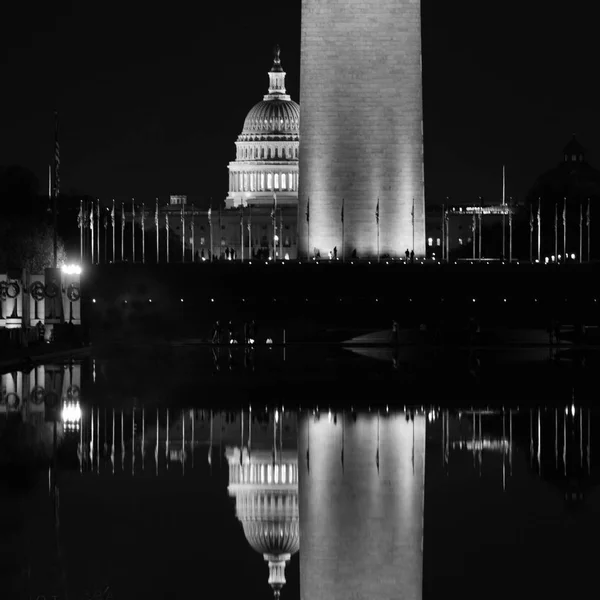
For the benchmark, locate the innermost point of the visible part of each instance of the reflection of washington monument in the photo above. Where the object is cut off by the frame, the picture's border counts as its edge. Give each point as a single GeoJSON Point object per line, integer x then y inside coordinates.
{"type": "Point", "coordinates": [361, 506]}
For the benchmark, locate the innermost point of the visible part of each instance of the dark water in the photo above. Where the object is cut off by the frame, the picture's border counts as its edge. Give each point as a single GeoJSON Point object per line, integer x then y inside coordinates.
{"type": "Point", "coordinates": [321, 474]}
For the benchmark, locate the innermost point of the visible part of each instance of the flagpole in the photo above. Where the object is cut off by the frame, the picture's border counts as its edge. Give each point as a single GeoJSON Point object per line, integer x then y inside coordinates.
{"type": "Point", "coordinates": [182, 235]}
{"type": "Point", "coordinates": [447, 231]}
{"type": "Point", "coordinates": [97, 231]}
{"type": "Point", "coordinates": [122, 231]}
{"type": "Point", "coordinates": [443, 232]}
{"type": "Point", "coordinates": [588, 232]}
{"type": "Point", "coordinates": [539, 231]}
{"type": "Point", "coordinates": [105, 242]}
{"type": "Point", "coordinates": [474, 230]}
{"type": "Point", "coordinates": [112, 217]}
{"type": "Point", "coordinates": [242, 232]}
{"type": "Point", "coordinates": [308, 228]}
{"type": "Point", "coordinates": [531, 233]}
{"type": "Point", "coordinates": [92, 227]}
{"type": "Point", "coordinates": [510, 232]}
{"type": "Point", "coordinates": [250, 234]}
{"type": "Point", "coordinates": [343, 235]}
{"type": "Point", "coordinates": [167, 231]}
{"type": "Point", "coordinates": [565, 228]}
{"type": "Point", "coordinates": [133, 228]}
{"type": "Point", "coordinates": [280, 233]}
{"type": "Point", "coordinates": [56, 189]}
{"type": "Point", "coordinates": [211, 232]}
{"type": "Point", "coordinates": [503, 214]}
{"type": "Point", "coordinates": [274, 225]}
{"type": "Point", "coordinates": [377, 218]}
{"type": "Point", "coordinates": [81, 232]}
{"type": "Point", "coordinates": [556, 230]}
{"type": "Point", "coordinates": [143, 233]}
{"type": "Point", "coordinates": [156, 224]}
{"type": "Point", "coordinates": [480, 219]}
{"type": "Point", "coordinates": [580, 232]}
{"type": "Point", "coordinates": [192, 236]}
{"type": "Point", "coordinates": [413, 224]}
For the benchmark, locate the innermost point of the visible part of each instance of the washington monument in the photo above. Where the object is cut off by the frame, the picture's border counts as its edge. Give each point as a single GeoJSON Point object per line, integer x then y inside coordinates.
{"type": "Point", "coordinates": [361, 128]}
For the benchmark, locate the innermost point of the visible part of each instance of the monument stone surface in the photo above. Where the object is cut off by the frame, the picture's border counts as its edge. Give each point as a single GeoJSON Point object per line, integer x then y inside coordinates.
{"type": "Point", "coordinates": [361, 127]}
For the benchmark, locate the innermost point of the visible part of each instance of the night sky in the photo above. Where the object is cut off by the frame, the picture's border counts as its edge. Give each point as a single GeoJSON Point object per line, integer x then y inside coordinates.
{"type": "Point", "coordinates": [153, 96]}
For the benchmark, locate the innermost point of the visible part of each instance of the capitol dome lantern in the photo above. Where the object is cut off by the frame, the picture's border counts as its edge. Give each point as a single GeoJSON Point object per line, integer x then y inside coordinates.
{"type": "Point", "coordinates": [267, 149]}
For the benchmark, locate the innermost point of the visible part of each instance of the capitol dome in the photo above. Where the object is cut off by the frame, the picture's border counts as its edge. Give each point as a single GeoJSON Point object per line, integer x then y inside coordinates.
{"type": "Point", "coordinates": [273, 117]}
{"type": "Point", "coordinates": [266, 160]}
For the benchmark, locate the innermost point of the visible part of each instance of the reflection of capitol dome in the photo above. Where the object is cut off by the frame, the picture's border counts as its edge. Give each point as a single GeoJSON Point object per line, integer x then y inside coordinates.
{"type": "Point", "coordinates": [266, 499]}
{"type": "Point", "coordinates": [267, 149]}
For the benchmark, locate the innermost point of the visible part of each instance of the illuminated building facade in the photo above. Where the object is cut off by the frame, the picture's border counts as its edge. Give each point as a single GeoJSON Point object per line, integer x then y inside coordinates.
{"type": "Point", "coordinates": [267, 149]}
{"type": "Point", "coordinates": [361, 128]}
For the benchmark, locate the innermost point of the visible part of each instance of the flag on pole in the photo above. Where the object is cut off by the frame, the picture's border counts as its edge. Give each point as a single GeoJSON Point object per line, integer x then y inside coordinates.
{"type": "Point", "coordinates": [274, 206]}
{"type": "Point", "coordinates": [539, 212]}
{"type": "Point", "coordinates": [587, 218]}
{"type": "Point", "coordinates": [531, 218]}
{"type": "Point", "coordinates": [308, 210]}
{"type": "Point", "coordinates": [80, 215]}
{"type": "Point", "coordinates": [377, 212]}
{"type": "Point", "coordinates": [209, 214]}
{"type": "Point", "coordinates": [156, 215]}
{"type": "Point", "coordinates": [122, 216]}
{"type": "Point", "coordinates": [564, 214]}
{"type": "Point", "coordinates": [242, 215]}
{"type": "Point", "coordinates": [250, 220]}
{"type": "Point", "coordinates": [92, 218]}
{"type": "Point", "coordinates": [342, 210]}
{"type": "Point", "coordinates": [412, 212]}
{"type": "Point", "coordinates": [182, 217]}
{"type": "Point", "coordinates": [143, 218]}
{"type": "Point", "coordinates": [112, 214]}
{"type": "Point", "coordinates": [167, 223]}
{"type": "Point", "coordinates": [56, 157]}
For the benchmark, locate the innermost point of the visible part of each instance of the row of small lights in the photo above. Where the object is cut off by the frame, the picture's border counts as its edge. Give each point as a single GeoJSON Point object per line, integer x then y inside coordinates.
{"type": "Point", "coordinates": [422, 261]}
{"type": "Point", "coordinates": [341, 300]}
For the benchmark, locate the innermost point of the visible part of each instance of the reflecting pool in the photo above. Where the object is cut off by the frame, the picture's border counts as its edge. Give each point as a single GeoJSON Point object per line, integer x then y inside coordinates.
{"type": "Point", "coordinates": [154, 474]}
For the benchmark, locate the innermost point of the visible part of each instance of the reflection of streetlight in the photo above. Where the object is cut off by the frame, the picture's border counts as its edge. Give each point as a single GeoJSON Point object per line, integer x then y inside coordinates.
{"type": "Point", "coordinates": [71, 412]}
{"type": "Point", "coordinates": [71, 269]}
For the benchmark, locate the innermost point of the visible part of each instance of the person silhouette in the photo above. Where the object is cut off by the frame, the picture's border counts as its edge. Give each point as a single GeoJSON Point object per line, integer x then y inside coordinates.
{"type": "Point", "coordinates": [407, 254]}
{"type": "Point", "coordinates": [412, 256]}
{"type": "Point", "coordinates": [335, 253]}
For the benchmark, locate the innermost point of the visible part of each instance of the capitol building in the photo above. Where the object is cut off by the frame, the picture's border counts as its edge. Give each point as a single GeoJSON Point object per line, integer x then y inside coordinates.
{"type": "Point", "coordinates": [267, 150]}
